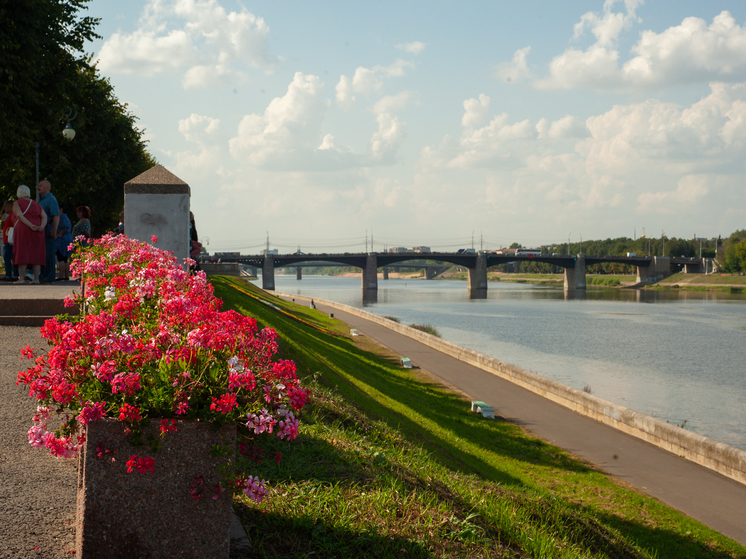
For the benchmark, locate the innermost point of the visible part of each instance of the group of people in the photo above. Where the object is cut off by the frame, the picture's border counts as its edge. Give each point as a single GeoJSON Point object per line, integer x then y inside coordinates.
{"type": "Point", "coordinates": [38, 235]}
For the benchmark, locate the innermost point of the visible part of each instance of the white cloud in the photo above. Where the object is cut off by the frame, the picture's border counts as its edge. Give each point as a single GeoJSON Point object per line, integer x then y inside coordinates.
{"type": "Point", "coordinates": [475, 111]}
{"type": "Point", "coordinates": [208, 44]}
{"type": "Point", "coordinates": [692, 52]}
{"type": "Point", "coordinates": [288, 132]}
{"type": "Point", "coordinates": [415, 47]}
{"type": "Point", "coordinates": [386, 141]}
{"type": "Point", "coordinates": [345, 98]}
{"type": "Point", "coordinates": [367, 80]}
{"type": "Point", "coordinates": [650, 157]}
{"type": "Point", "coordinates": [689, 191]}
{"type": "Point", "coordinates": [607, 27]}
{"type": "Point", "coordinates": [145, 53]}
{"type": "Point", "coordinates": [567, 127]}
{"type": "Point", "coordinates": [206, 133]}
{"type": "Point", "coordinates": [517, 69]}
{"type": "Point", "coordinates": [392, 103]}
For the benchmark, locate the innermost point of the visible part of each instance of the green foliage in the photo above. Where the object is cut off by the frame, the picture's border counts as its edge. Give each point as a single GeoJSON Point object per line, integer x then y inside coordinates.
{"type": "Point", "coordinates": [427, 328]}
{"type": "Point", "coordinates": [44, 76]}
{"type": "Point", "coordinates": [735, 258]}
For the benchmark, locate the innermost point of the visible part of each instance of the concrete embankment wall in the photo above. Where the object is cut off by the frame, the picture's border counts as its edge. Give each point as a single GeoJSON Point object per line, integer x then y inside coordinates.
{"type": "Point", "coordinates": [720, 457]}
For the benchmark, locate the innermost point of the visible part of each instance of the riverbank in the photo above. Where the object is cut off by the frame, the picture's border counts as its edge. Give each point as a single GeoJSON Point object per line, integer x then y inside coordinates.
{"type": "Point", "coordinates": [393, 451]}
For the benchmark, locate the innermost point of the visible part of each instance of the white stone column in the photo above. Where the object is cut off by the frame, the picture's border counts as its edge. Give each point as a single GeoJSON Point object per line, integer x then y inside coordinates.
{"type": "Point", "coordinates": [157, 203]}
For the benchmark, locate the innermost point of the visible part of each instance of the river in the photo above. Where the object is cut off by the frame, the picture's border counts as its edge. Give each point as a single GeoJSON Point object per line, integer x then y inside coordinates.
{"type": "Point", "coordinates": [679, 356]}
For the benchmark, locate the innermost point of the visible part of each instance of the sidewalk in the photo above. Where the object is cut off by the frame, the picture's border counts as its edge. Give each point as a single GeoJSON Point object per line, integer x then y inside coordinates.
{"type": "Point", "coordinates": [704, 495]}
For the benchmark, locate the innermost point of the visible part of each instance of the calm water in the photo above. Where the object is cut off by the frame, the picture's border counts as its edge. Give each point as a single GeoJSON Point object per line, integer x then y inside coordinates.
{"type": "Point", "coordinates": [673, 355]}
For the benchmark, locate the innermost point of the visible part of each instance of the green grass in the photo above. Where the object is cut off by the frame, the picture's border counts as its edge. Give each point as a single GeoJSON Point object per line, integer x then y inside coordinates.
{"type": "Point", "coordinates": [608, 281]}
{"type": "Point", "coordinates": [711, 279]}
{"type": "Point", "coordinates": [427, 328]}
{"type": "Point", "coordinates": [389, 463]}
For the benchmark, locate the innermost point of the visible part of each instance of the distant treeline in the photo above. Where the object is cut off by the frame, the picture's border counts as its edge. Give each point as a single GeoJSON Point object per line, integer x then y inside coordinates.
{"type": "Point", "coordinates": [730, 252]}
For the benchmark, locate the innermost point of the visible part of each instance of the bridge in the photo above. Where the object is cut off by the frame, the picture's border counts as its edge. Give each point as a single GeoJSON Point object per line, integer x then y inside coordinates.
{"type": "Point", "coordinates": [649, 268]}
{"type": "Point", "coordinates": [431, 270]}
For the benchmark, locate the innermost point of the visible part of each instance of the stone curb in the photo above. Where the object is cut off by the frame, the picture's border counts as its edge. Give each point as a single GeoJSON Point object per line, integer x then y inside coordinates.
{"type": "Point", "coordinates": [720, 457]}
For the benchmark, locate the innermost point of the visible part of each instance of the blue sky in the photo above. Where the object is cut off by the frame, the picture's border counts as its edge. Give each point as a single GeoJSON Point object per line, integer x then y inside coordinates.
{"type": "Point", "coordinates": [424, 123]}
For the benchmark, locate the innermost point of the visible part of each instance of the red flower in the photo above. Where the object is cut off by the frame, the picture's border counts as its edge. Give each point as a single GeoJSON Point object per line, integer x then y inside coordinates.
{"type": "Point", "coordinates": [129, 413]}
{"type": "Point", "coordinates": [225, 403]}
{"type": "Point", "coordinates": [142, 465]}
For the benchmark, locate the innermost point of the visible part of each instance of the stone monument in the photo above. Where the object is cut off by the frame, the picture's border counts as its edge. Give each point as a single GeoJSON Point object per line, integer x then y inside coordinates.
{"type": "Point", "coordinates": [157, 203]}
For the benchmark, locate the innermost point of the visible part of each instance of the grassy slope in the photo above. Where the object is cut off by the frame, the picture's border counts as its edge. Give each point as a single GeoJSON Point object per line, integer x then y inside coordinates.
{"type": "Point", "coordinates": [390, 464]}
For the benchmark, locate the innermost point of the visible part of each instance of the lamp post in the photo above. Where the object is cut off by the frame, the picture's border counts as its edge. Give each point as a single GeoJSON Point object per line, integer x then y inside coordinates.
{"type": "Point", "coordinates": [68, 133]}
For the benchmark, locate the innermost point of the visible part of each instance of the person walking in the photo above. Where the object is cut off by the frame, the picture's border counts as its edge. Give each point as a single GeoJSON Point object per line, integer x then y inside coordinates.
{"type": "Point", "coordinates": [28, 234]}
{"type": "Point", "coordinates": [51, 207]}
{"type": "Point", "coordinates": [9, 220]}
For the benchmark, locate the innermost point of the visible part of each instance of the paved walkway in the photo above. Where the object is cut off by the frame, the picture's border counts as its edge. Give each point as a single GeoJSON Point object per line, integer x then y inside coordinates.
{"type": "Point", "coordinates": [709, 497]}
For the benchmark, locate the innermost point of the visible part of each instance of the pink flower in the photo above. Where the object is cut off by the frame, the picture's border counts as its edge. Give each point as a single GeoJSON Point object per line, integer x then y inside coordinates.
{"type": "Point", "coordinates": [27, 352]}
{"type": "Point", "coordinates": [127, 383]}
{"type": "Point", "coordinates": [254, 489]}
{"type": "Point", "coordinates": [154, 239]}
{"type": "Point", "coordinates": [92, 412]}
{"type": "Point", "coordinates": [37, 436]}
{"type": "Point", "coordinates": [261, 422]}
{"type": "Point", "coordinates": [288, 427]}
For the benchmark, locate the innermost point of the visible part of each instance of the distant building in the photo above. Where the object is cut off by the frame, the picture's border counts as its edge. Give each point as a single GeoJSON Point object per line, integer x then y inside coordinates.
{"type": "Point", "coordinates": [397, 250]}
{"type": "Point", "coordinates": [421, 249]}
{"type": "Point", "coordinates": [270, 252]}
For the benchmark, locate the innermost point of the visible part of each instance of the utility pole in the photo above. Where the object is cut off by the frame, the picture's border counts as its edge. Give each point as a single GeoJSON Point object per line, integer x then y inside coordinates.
{"type": "Point", "coordinates": [267, 242]}
{"type": "Point", "coordinates": [371, 241]}
{"type": "Point", "coordinates": [472, 238]}
{"type": "Point", "coordinates": [366, 241]}
{"type": "Point", "coordinates": [481, 241]}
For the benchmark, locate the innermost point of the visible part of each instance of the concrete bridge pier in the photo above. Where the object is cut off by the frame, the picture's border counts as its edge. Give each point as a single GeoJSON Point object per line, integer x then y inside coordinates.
{"type": "Point", "coordinates": [658, 269]}
{"type": "Point", "coordinates": [268, 273]}
{"type": "Point", "coordinates": [478, 278]}
{"type": "Point", "coordinates": [299, 273]}
{"type": "Point", "coordinates": [385, 273]}
{"type": "Point", "coordinates": [695, 267]}
{"type": "Point", "coordinates": [430, 273]}
{"type": "Point", "coordinates": [370, 279]}
{"type": "Point", "coordinates": [575, 275]}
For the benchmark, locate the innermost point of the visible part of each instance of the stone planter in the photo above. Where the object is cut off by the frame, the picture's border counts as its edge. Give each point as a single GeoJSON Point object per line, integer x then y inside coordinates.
{"type": "Point", "coordinates": [153, 515]}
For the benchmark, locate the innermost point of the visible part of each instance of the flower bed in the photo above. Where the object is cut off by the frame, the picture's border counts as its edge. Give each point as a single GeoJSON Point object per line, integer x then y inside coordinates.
{"type": "Point", "coordinates": [152, 346]}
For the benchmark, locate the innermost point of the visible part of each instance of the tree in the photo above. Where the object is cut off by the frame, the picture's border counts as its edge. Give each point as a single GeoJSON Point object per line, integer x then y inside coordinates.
{"type": "Point", "coordinates": [44, 75]}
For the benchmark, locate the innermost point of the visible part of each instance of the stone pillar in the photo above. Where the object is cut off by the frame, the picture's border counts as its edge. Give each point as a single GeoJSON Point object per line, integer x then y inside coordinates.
{"type": "Point", "coordinates": [385, 273]}
{"type": "Point", "coordinates": [299, 273]}
{"type": "Point", "coordinates": [268, 273]}
{"type": "Point", "coordinates": [429, 272]}
{"type": "Point", "coordinates": [694, 268]}
{"type": "Point", "coordinates": [478, 278]}
{"type": "Point", "coordinates": [659, 268]}
{"type": "Point", "coordinates": [575, 275]}
{"type": "Point", "coordinates": [157, 203]}
{"type": "Point", "coordinates": [370, 279]}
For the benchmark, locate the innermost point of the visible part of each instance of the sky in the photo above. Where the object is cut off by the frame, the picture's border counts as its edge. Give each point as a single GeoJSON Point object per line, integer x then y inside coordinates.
{"type": "Point", "coordinates": [339, 126]}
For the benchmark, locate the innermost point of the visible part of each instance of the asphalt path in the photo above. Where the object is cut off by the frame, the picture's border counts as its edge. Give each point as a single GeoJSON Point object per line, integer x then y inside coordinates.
{"type": "Point", "coordinates": [711, 498]}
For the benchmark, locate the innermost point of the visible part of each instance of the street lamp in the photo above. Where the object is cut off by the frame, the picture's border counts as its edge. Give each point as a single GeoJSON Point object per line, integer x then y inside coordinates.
{"type": "Point", "coordinates": [68, 133]}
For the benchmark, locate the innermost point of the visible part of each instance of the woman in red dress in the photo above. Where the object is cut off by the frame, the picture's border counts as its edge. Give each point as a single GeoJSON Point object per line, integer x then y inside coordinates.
{"type": "Point", "coordinates": [28, 236]}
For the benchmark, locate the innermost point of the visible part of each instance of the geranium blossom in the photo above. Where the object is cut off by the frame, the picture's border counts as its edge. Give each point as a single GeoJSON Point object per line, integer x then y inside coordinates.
{"type": "Point", "coordinates": [151, 342]}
